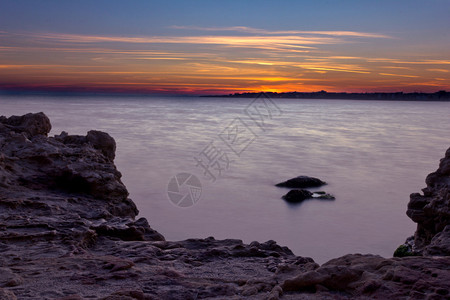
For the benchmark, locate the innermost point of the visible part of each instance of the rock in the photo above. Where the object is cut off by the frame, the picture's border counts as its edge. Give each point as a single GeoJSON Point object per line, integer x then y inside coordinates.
{"type": "Point", "coordinates": [431, 211]}
{"type": "Point", "coordinates": [8, 278]}
{"type": "Point", "coordinates": [373, 277]}
{"type": "Point", "coordinates": [30, 124]}
{"type": "Point", "coordinates": [102, 141]}
{"type": "Point", "coordinates": [296, 196]}
{"type": "Point", "coordinates": [440, 244]}
{"type": "Point", "coordinates": [301, 182]}
{"type": "Point", "coordinates": [406, 249]}
{"type": "Point", "coordinates": [7, 295]}
{"type": "Point", "coordinates": [128, 294]}
{"type": "Point", "coordinates": [65, 218]}
{"type": "Point", "coordinates": [138, 230]}
{"type": "Point", "coordinates": [69, 231]}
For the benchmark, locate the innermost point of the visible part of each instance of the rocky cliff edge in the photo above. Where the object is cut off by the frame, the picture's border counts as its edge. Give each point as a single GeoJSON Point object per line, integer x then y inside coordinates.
{"type": "Point", "coordinates": [69, 231]}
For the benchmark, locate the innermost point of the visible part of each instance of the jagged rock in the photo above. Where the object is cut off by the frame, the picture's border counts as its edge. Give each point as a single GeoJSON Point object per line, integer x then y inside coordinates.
{"type": "Point", "coordinates": [68, 231]}
{"type": "Point", "coordinates": [138, 230]}
{"type": "Point", "coordinates": [440, 243]}
{"type": "Point", "coordinates": [374, 277]}
{"type": "Point", "coordinates": [301, 182]}
{"type": "Point", "coordinates": [102, 141]}
{"type": "Point", "coordinates": [29, 124]}
{"type": "Point", "coordinates": [431, 211]}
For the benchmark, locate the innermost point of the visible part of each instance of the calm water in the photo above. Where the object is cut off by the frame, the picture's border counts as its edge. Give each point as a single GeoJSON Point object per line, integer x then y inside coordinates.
{"type": "Point", "coordinates": [372, 154]}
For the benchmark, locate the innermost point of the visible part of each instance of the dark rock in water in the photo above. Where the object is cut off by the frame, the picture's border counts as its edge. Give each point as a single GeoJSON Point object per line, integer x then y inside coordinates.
{"type": "Point", "coordinates": [68, 231]}
{"type": "Point", "coordinates": [301, 182]}
{"type": "Point", "coordinates": [296, 196]}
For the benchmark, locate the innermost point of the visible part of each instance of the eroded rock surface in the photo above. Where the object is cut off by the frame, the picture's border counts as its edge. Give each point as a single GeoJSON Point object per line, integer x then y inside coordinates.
{"type": "Point", "coordinates": [69, 231]}
{"type": "Point", "coordinates": [431, 212]}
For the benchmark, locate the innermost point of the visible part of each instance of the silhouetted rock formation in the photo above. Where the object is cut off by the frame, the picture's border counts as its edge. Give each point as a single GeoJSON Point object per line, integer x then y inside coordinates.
{"type": "Point", "coordinates": [68, 231]}
{"type": "Point", "coordinates": [431, 212]}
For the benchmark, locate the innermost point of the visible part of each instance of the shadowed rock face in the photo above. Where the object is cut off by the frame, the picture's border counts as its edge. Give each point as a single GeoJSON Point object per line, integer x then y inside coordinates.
{"type": "Point", "coordinates": [431, 212]}
{"type": "Point", "coordinates": [29, 124]}
{"type": "Point", "coordinates": [68, 231]}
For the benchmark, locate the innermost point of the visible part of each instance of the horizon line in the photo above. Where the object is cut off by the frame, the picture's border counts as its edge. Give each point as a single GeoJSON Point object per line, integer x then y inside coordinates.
{"type": "Point", "coordinates": [93, 92]}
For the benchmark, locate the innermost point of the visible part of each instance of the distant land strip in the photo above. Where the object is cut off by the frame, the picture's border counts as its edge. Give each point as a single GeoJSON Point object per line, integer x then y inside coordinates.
{"type": "Point", "coordinates": [437, 96]}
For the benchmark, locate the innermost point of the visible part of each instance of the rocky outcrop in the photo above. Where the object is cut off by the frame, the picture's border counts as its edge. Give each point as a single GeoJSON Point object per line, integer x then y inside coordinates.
{"type": "Point", "coordinates": [69, 231]}
{"type": "Point", "coordinates": [29, 125]}
{"type": "Point", "coordinates": [375, 277]}
{"type": "Point", "coordinates": [431, 212]}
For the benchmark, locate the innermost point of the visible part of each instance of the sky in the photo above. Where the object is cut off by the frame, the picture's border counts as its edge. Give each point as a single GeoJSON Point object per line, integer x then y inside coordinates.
{"type": "Point", "coordinates": [222, 47]}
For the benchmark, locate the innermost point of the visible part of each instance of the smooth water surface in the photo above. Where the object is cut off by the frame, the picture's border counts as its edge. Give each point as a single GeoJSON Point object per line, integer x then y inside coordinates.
{"type": "Point", "coordinates": [373, 154]}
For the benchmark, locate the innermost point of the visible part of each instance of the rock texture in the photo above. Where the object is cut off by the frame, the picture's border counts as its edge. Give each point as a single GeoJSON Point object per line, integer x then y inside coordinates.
{"type": "Point", "coordinates": [69, 231]}
{"type": "Point", "coordinates": [431, 212]}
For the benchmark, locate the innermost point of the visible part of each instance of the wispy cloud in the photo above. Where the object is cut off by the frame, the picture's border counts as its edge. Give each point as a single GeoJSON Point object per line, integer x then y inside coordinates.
{"type": "Point", "coordinates": [251, 30]}
{"type": "Point", "coordinates": [289, 40]}
{"type": "Point", "coordinates": [216, 59]}
{"type": "Point", "coordinates": [438, 70]}
{"type": "Point", "coordinates": [399, 75]}
{"type": "Point", "coordinates": [411, 62]}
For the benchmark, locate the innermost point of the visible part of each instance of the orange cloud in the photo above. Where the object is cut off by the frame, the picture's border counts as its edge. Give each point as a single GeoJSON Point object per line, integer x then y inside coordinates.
{"type": "Point", "coordinates": [252, 60]}
{"type": "Point", "coordinates": [275, 32]}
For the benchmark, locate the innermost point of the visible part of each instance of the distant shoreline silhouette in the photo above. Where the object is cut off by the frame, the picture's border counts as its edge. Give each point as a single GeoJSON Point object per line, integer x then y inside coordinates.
{"type": "Point", "coordinates": [437, 96]}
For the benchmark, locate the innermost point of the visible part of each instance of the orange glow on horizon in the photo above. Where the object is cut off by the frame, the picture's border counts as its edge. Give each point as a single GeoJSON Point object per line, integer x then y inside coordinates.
{"type": "Point", "coordinates": [277, 61]}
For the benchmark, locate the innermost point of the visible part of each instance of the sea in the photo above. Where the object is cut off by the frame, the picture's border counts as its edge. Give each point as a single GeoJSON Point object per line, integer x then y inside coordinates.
{"type": "Point", "coordinates": [198, 166]}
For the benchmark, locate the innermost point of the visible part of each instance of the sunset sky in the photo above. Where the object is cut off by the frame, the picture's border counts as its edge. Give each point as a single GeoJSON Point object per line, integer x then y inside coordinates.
{"type": "Point", "coordinates": [214, 47]}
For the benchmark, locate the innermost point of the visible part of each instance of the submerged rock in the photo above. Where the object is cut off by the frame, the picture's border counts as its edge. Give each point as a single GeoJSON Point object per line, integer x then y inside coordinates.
{"type": "Point", "coordinates": [301, 182]}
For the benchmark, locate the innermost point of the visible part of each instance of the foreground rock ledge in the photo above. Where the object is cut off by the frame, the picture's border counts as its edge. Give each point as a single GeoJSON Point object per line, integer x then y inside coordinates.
{"type": "Point", "coordinates": [68, 231]}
